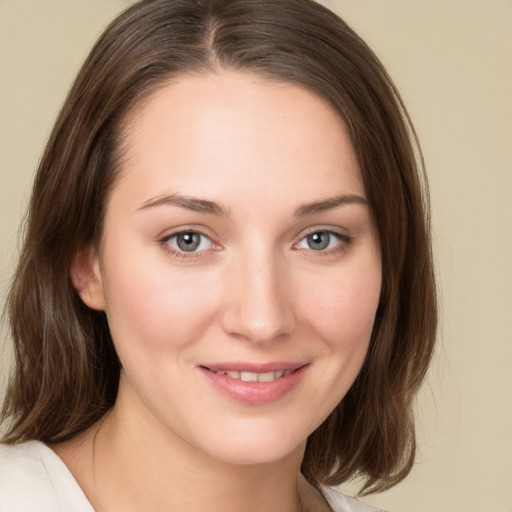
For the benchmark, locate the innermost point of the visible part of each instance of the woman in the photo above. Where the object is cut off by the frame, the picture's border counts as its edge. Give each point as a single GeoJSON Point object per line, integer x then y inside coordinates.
{"type": "Point", "coordinates": [225, 300]}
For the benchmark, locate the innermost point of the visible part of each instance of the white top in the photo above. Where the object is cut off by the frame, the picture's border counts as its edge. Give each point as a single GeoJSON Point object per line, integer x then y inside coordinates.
{"type": "Point", "coordinates": [34, 479]}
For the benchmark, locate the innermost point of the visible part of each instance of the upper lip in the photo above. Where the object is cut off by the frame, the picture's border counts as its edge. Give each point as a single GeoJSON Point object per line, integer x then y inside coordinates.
{"type": "Point", "coordinates": [274, 366]}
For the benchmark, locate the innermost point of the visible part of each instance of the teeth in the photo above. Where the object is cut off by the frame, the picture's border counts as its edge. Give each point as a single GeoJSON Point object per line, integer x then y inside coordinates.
{"type": "Point", "coordinates": [269, 376]}
{"type": "Point", "coordinates": [254, 377]}
{"type": "Point", "coordinates": [249, 376]}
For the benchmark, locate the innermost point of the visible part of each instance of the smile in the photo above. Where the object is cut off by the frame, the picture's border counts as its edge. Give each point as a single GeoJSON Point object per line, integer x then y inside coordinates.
{"type": "Point", "coordinates": [252, 384]}
{"type": "Point", "coordinates": [253, 376]}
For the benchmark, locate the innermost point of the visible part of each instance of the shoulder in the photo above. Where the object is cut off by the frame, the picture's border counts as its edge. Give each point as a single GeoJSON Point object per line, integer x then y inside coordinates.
{"type": "Point", "coordinates": [341, 503]}
{"type": "Point", "coordinates": [32, 477]}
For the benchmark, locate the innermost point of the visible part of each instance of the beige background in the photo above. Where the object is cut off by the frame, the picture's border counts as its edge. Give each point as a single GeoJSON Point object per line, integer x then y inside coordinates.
{"type": "Point", "coordinates": [452, 61]}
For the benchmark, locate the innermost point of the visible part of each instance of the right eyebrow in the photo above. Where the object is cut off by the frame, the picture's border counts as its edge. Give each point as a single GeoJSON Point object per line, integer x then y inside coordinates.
{"type": "Point", "coordinates": [195, 204]}
{"type": "Point", "coordinates": [329, 204]}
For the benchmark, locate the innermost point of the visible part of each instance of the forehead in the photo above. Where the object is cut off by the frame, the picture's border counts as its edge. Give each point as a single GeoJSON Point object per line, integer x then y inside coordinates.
{"type": "Point", "coordinates": [206, 132]}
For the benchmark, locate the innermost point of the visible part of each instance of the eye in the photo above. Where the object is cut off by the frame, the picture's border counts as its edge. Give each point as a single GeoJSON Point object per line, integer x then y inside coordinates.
{"type": "Point", "coordinates": [320, 241]}
{"type": "Point", "coordinates": [189, 241]}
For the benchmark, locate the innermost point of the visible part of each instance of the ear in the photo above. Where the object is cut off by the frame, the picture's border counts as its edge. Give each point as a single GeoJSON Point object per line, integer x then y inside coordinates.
{"type": "Point", "coordinates": [86, 278]}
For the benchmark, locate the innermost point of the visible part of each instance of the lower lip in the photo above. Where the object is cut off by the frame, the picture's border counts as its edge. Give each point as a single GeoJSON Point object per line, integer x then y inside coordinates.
{"type": "Point", "coordinates": [255, 393]}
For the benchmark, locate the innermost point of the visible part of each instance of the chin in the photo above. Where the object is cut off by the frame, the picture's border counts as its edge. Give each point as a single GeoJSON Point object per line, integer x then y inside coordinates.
{"type": "Point", "coordinates": [256, 444]}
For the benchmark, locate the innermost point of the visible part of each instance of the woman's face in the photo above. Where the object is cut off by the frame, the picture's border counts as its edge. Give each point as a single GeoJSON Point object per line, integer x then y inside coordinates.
{"type": "Point", "coordinates": [238, 266]}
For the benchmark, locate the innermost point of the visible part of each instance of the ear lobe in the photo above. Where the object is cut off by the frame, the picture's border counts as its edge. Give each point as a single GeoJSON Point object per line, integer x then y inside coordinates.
{"type": "Point", "coordinates": [86, 278]}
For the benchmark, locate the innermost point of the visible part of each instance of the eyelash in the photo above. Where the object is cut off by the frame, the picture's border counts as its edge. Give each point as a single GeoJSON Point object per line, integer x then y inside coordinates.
{"type": "Point", "coordinates": [343, 242]}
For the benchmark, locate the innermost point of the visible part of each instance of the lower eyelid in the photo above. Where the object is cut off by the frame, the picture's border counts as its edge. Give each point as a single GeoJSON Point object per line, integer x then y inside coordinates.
{"type": "Point", "coordinates": [175, 253]}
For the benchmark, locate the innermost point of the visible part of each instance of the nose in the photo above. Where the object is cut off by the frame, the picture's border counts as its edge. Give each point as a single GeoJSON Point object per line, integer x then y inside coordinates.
{"type": "Point", "coordinates": [259, 306]}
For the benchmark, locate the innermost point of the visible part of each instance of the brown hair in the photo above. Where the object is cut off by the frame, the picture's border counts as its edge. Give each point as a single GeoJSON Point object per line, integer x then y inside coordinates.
{"type": "Point", "coordinates": [67, 371]}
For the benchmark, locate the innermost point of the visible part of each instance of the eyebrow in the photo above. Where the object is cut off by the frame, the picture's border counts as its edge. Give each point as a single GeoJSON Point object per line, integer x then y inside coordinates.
{"type": "Point", "coordinates": [205, 206]}
{"type": "Point", "coordinates": [329, 204]}
{"type": "Point", "coordinates": [189, 203]}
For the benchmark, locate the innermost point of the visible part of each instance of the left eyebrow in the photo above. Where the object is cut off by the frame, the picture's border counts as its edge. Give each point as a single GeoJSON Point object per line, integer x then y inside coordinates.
{"type": "Point", "coordinates": [188, 203]}
{"type": "Point", "coordinates": [329, 204]}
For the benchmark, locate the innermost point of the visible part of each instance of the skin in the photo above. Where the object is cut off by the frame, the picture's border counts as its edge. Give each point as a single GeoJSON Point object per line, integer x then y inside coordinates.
{"type": "Point", "coordinates": [268, 158]}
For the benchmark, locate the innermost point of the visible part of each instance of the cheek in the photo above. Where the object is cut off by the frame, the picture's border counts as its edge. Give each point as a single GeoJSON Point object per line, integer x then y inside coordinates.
{"type": "Point", "coordinates": [340, 311]}
{"type": "Point", "coordinates": [155, 306]}
{"type": "Point", "coordinates": [343, 309]}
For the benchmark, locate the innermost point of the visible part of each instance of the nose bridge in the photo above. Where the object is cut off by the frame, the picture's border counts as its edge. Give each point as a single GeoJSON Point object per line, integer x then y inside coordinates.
{"type": "Point", "coordinates": [259, 308]}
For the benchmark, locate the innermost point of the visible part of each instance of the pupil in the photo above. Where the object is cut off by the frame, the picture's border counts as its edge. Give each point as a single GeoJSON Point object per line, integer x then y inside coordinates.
{"type": "Point", "coordinates": [319, 241]}
{"type": "Point", "coordinates": [188, 241]}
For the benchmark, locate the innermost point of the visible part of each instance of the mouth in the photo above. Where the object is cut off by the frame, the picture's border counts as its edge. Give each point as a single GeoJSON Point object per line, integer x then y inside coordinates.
{"type": "Point", "coordinates": [253, 376]}
{"type": "Point", "coordinates": [255, 384]}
